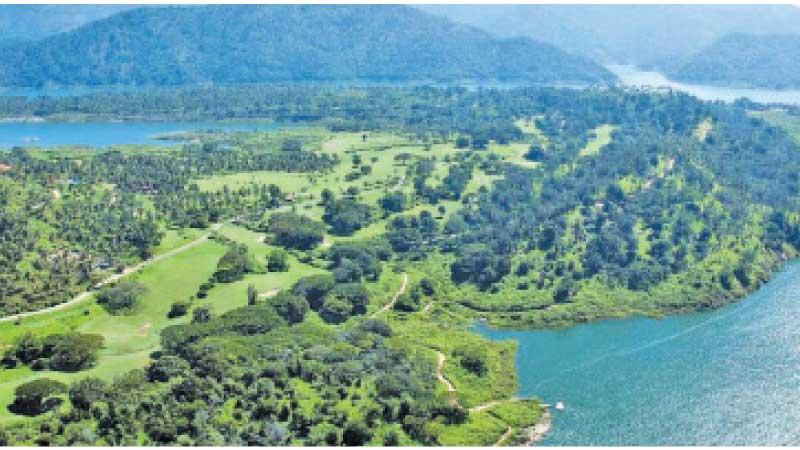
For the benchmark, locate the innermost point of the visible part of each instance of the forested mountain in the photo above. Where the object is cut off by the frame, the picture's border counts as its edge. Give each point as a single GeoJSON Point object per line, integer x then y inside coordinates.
{"type": "Point", "coordinates": [28, 22]}
{"type": "Point", "coordinates": [250, 43]}
{"type": "Point", "coordinates": [645, 35]}
{"type": "Point", "coordinates": [771, 61]}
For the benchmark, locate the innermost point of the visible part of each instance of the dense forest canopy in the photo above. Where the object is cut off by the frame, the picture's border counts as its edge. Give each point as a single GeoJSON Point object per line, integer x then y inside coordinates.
{"type": "Point", "coordinates": [285, 43]}
{"type": "Point", "coordinates": [769, 61]}
{"type": "Point", "coordinates": [645, 35]}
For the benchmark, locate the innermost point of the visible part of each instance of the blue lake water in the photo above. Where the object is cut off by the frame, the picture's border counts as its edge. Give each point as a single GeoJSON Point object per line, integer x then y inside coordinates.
{"type": "Point", "coordinates": [99, 134]}
{"type": "Point", "coordinates": [633, 76]}
{"type": "Point", "coordinates": [726, 377]}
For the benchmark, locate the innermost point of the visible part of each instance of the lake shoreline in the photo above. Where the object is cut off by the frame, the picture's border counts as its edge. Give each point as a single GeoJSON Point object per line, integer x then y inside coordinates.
{"type": "Point", "coordinates": [613, 373]}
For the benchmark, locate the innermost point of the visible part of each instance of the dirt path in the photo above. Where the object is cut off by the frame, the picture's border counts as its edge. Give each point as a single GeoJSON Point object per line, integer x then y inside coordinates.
{"type": "Point", "coordinates": [270, 293]}
{"type": "Point", "coordinates": [397, 295]}
{"type": "Point", "coordinates": [532, 434]}
{"type": "Point", "coordinates": [504, 437]}
{"type": "Point", "coordinates": [484, 406]}
{"type": "Point", "coordinates": [113, 278]}
{"type": "Point", "coordinates": [443, 379]}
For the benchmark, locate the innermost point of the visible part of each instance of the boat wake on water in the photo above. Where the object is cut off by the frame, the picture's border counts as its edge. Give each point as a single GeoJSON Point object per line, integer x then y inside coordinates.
{"type": "Point", "coordinates": [621, 353]}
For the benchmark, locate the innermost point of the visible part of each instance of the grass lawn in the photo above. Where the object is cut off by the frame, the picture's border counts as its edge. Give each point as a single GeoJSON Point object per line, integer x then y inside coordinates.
{"type": "Point", "coordinates": [598, 138]}
{"type": "Point", "coordinates": [226, 296]}
{"type": "Point", "coordinates": [174, 238]}
{"type": "Point", "coordinates": [129, 339]}
{"type": "Point", "coordinates": [703, 128]}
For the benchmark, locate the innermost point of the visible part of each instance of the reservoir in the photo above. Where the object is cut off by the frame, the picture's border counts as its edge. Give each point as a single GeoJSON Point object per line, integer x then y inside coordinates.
{"type": "Point", "coordinates": [632, 76]}
{"type": "Point", "coordinates": [100, 134]}
{"type": "Point", "coordinates": [725, 377]}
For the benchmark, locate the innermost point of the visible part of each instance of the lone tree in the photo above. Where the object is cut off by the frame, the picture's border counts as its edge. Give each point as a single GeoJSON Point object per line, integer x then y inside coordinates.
{"type": "Point", "coordinates": [278, 261]}
{"type": "Point", "coordinates": [121, 298]}
{"type": "Point", "coordinates": [252, 295]}
{"type": "Point", "coordinates": [201, 315]}
{"type": "Point", "coordinates": [36, 397]}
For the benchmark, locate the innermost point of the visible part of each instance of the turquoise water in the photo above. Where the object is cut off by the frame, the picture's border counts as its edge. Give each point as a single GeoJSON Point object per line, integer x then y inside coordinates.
{"type": "Point", "coordinates": [726, 377]}
{"type": "Point", "coordinates": [99, 134]}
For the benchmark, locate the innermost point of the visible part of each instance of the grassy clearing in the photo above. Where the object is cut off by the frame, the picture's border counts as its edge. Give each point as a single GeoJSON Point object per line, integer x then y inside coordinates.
{"type": "Point", "coordinates": [387, 175]}
{"type": "Point", "coordinates": [498, 383]}
{"type": "Point", "coordinates": [514, 153]}
{"type": "Point", "coordinates": [174, 238]}
{"type": "Point", "coordinates": [528, 126]}
{"type": "Point", "coordinates": [598, 138]}
{"type": "Point", "coordinates": [480, 430]}
{"type": "Point", "coordinates": [128, 339]}
{"type": "Point", "coordinates": [703, 128]}
{"type": "Point", "coordinates": [226, 296]}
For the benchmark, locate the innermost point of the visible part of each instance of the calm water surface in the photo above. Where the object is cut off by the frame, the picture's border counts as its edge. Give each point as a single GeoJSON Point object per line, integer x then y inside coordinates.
{"type": "Point", "coordinates": [632, 76]}
{"type": "Point", "coordinates": [731, 376]}
{"type": "Point", "coordinates": [99, 134]}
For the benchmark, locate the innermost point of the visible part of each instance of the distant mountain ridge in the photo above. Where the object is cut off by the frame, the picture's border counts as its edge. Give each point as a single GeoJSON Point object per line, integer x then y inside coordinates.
{"type": "Point", "coordinates": [280, 43]}
{"type": "Point", "coordinates": [31, 22]}
{"type": "Point", "coordinates": [660, 36]}
{"type": "Point", "coordinates": [769, 61]}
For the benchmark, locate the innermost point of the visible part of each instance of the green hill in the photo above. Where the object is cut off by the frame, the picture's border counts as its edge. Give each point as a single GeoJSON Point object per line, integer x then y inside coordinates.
{"type": "Point", "coordinates": [249, 43]}
{"type": "Point", "coordinates": [644, 35]}
{"type": "Point", "coordinates": [771, 61]}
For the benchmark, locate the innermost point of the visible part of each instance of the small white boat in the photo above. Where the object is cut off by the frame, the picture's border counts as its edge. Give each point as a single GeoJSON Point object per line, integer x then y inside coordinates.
{"type": "Point", "coordinates": [559, 406]}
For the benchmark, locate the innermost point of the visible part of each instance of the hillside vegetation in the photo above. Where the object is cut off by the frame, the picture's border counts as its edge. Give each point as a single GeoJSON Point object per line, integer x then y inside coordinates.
{"type": "Point", "coordinates": [771, 61]}
{"type": "Point", "coordinates": [338, 266]}
{"type": "Point", "coordinates": [272, 43]}
{"type": "Point", "coordinates": [644, 35]}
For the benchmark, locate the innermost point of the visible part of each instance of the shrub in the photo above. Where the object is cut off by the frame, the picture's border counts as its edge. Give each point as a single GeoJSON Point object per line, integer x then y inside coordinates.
{"type": "Point", "coordinates": [295, 231]}
{"type": "Point", "coordinates": [36, 397]}
{"type": "Point", "coordinates": [292, 308]}
{"type": "Point", "coordinates": [314, 288]}
{"type": "Point", "coordinates": [278, 261]}
{"type": "Point", "coordinates": [85, 392]}
{"type": "Point", "coordinates": [178, 309]}
{"type": "Point", "coordinates": [121, 298]}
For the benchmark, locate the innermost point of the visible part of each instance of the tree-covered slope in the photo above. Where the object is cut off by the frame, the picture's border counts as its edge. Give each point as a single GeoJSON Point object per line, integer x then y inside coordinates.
{"type": "Point", "coordinates": [771, 61]}
{"type": "Point", "coordinates": [644, 35]}
{"type": "Point", "coordinates": [234, 44]}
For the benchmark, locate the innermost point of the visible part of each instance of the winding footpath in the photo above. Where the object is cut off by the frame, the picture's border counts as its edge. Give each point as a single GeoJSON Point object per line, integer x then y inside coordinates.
{"type": "Point", "coordinates": [113, 278]}
{"type": "Point", "coordinates": [397, 295]}
{"type": "Point", "coordinates": [442, 379]}
{"type": "Point", "coordinates": [532, 435]}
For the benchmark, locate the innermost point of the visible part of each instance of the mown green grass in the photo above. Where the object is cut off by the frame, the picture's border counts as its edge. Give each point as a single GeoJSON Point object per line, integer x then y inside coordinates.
{"type": "Point", "coordinates": [226, 296]}
{"type": "Point", "coordinates": [703, 128]}
{"type": "Point", "coordinates": [174, 238]}
{"type": "Point", "coordinates": [129, 339]}
{"type": "Point", "coordinates": [598, 138]}
{"type": "Point", "coordinates": [517, 413]}
{"type": "Point", "coordinates": [480, 430]}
